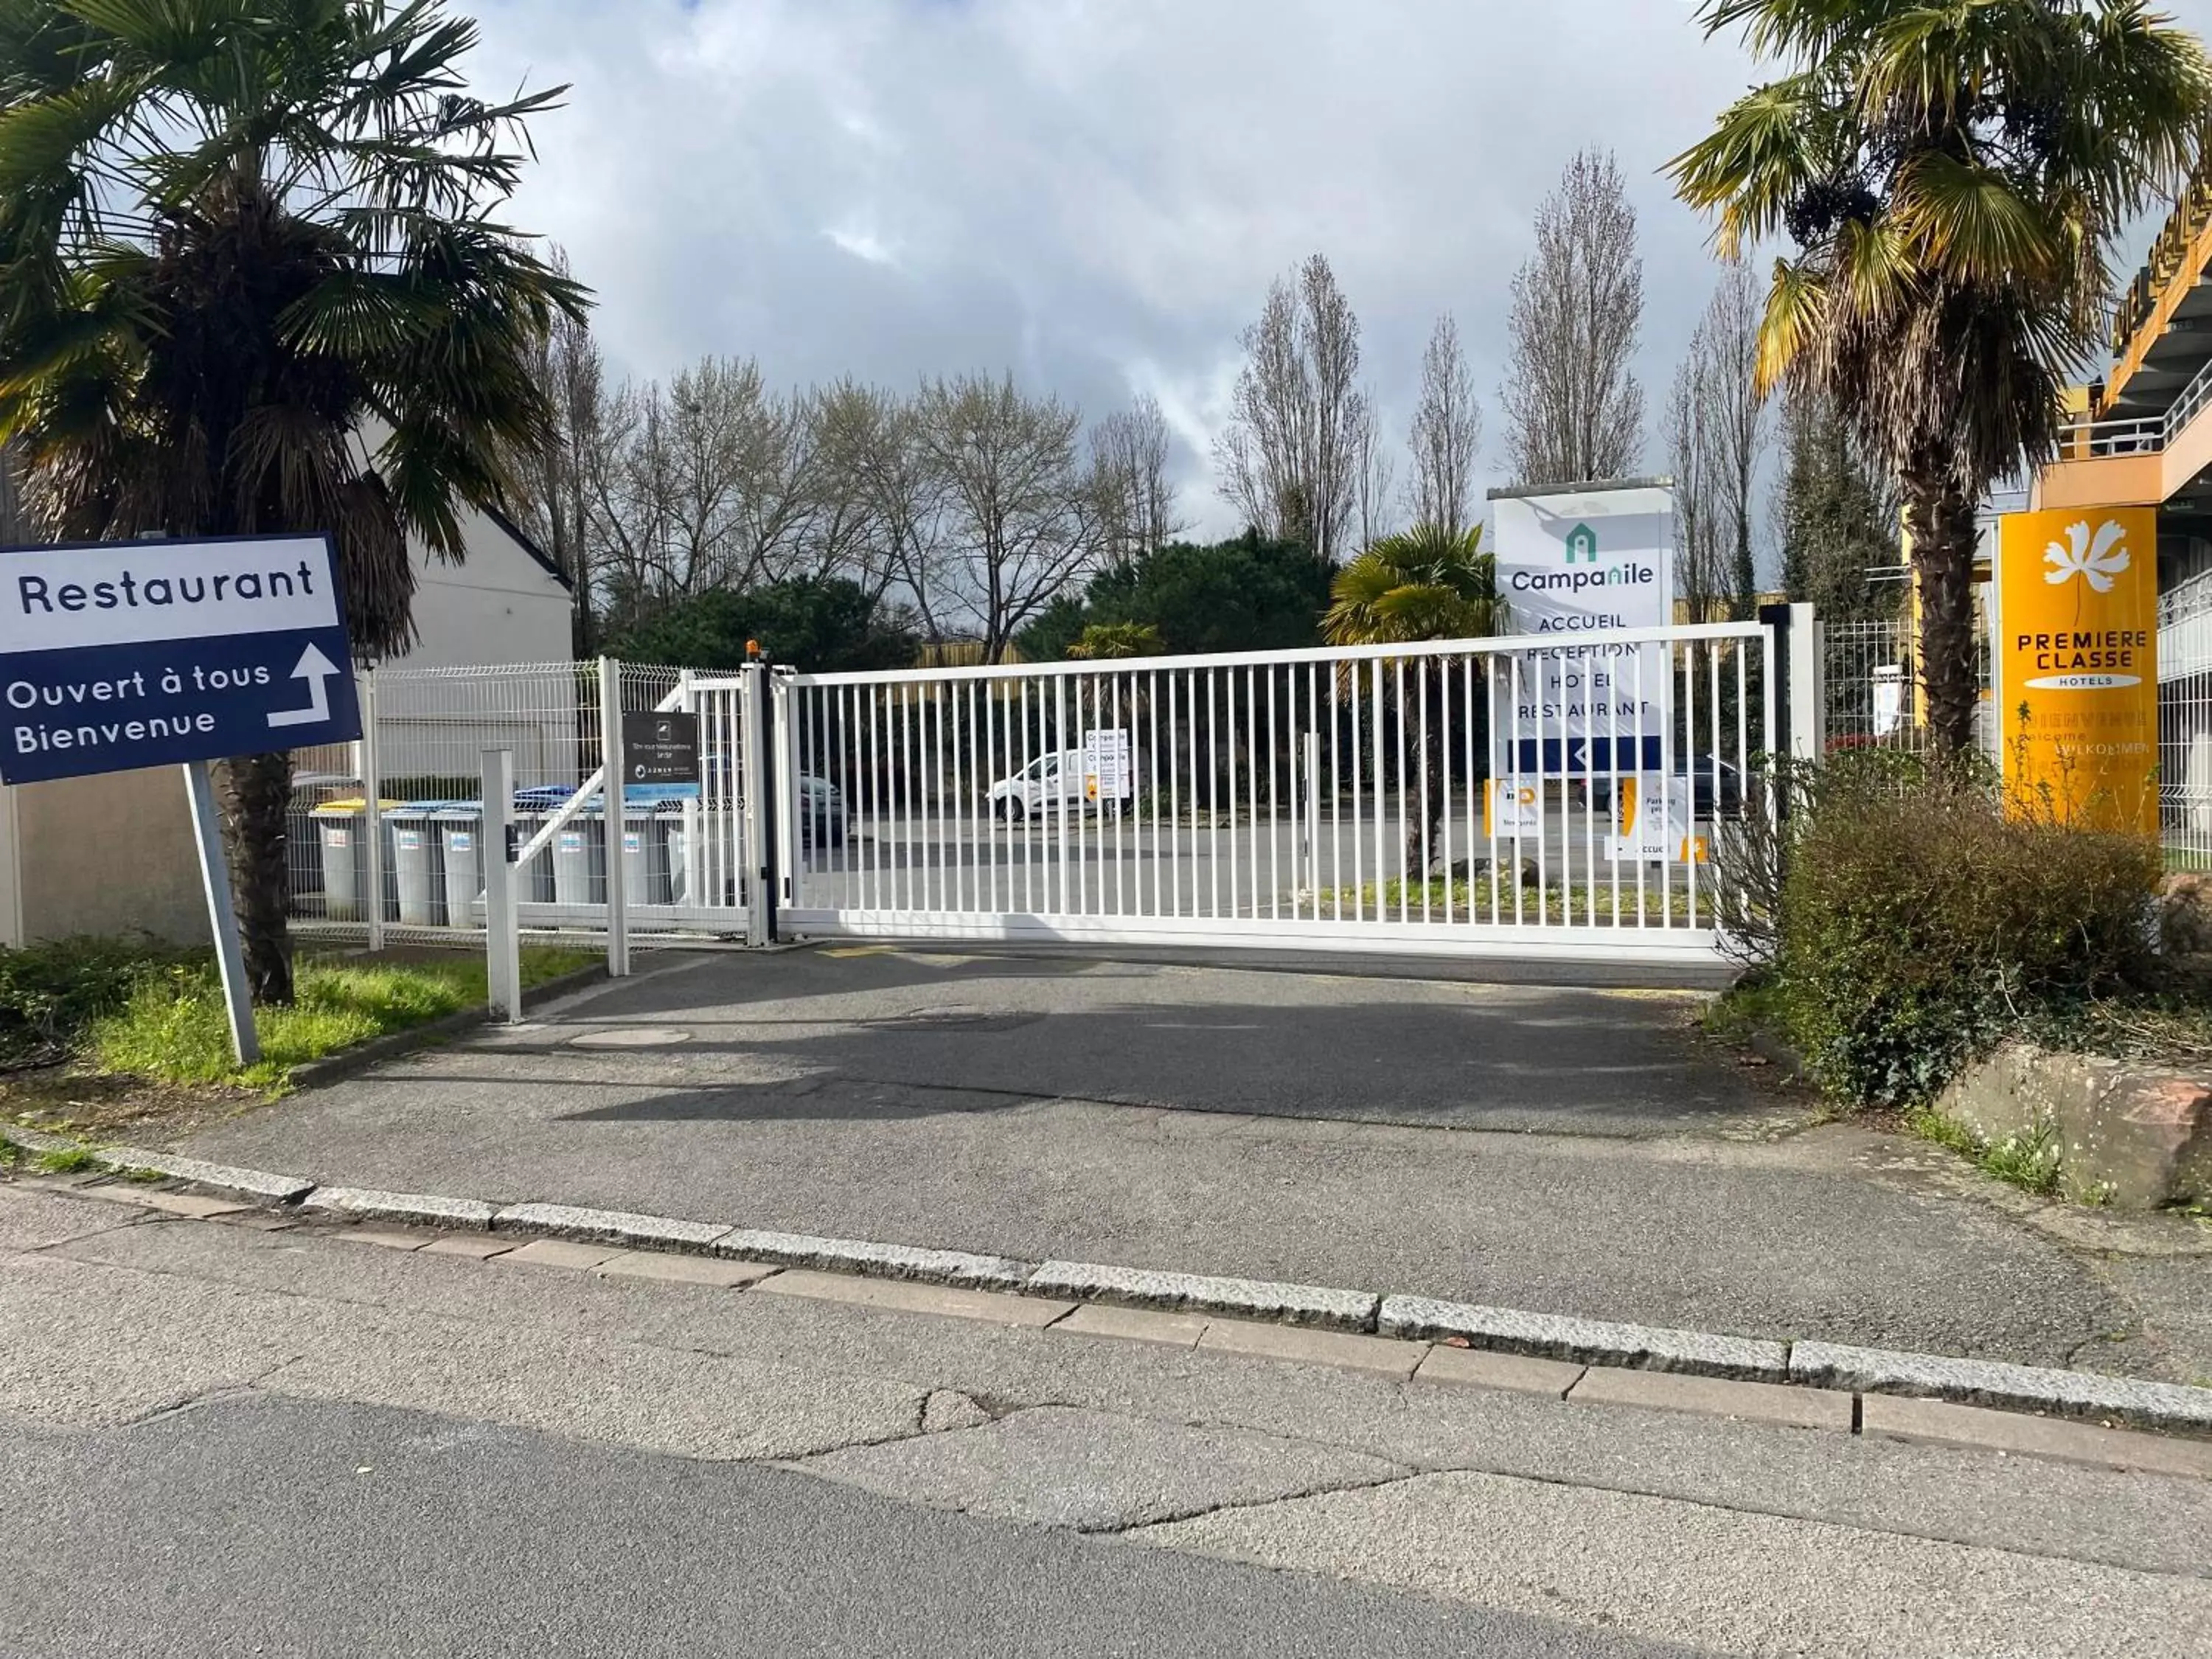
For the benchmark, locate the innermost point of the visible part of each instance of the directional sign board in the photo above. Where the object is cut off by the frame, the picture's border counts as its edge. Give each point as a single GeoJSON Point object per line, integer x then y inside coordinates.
{"type": "Point", "coordinates": [124, 654]}
{"type": "Point", "coordinates": [661, 757]}
{"type": "Point", "coordinates": [1106, 771]}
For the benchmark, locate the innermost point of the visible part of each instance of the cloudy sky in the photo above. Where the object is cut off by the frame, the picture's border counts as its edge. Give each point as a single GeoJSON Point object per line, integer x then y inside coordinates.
{"type": "Point", "coordinates": [1093, 194]}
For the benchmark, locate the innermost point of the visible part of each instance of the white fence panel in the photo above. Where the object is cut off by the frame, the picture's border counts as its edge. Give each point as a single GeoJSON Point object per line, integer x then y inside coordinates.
{"type": "Point", "coordinates": [406, 798]}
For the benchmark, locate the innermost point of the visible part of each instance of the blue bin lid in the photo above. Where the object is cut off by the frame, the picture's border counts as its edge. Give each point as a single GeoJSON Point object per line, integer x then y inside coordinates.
{"type": "Point", "coordinates": [543, 794]}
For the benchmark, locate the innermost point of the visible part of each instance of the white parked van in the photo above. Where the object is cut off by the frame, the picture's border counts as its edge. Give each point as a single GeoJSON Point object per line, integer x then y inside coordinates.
{"type": "Point", "coordinates": [1047, 783]}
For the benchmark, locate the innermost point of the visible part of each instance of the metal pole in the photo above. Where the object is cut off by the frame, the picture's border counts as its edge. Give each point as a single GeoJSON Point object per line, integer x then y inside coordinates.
{"type": "Point", "coordinates": [372, 783]}
{"type": "Point", "coordinates": [222, 919]}
{"type": "Point", "coordinates": [694, 865]}
{"type": "Point", "coordinates": [753, 761]}
{"type": "Point", "coordinates": [618, 816]}
{"type": "Point", "coordinates": [502, 935]}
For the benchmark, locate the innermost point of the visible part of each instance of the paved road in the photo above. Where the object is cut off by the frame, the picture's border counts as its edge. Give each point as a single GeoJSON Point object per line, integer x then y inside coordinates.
{"type": "Point", "coordinates": [271, 1526]}
{"type": "Point", "coordinates": [215, 1439]}
{"type": "Point", "coordinates": [1566, 1150]}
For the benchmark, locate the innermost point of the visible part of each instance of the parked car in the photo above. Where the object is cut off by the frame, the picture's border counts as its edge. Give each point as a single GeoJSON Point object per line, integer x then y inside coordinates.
{"type": "Point", "coordinates": [822, 820]}
{"type": "Point", "coordinates": [1715, 787]}
{"type": "Point", "coordinates": [1047, 783]}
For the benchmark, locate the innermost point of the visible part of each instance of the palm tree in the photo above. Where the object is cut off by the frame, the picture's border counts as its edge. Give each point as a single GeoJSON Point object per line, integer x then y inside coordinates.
{"type": "Point", "coordinates": [1427, 583]}
{"type": "Point", "coordinates": [249, 283]}
{"type": "Point", "coordinates": [1117, 642]}
{"type": "Point", "coordinates": [1953, 174]}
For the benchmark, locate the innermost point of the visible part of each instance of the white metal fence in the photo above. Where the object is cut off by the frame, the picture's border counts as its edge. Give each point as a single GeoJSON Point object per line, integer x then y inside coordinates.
{"type": "Point", "coordinates": [2184, 722]}
{"type": "Point", "coordinates": [1412, 798]}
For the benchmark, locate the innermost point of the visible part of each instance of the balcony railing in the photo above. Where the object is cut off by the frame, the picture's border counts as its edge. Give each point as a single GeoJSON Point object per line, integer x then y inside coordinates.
{"type": "Point", "coordinates": [2086, 440]}
{"type": "Point", "coordinates": [2137, 306]}
{"type": "Point", "coordinates": [2097, 440]}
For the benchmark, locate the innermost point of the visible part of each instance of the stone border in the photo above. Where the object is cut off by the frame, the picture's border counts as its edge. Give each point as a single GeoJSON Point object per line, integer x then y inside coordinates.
{"type": "Point", "coordinates": [1867, 1371]}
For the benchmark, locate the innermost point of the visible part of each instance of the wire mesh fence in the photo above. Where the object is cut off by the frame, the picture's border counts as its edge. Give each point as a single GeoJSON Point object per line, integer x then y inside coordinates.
{"type": "Point", "coordinates": [2184, 722]}
{"type": "Point", "coordinates": [400, 813]}
{"type": "Point", "coordinates": [1870, 688]}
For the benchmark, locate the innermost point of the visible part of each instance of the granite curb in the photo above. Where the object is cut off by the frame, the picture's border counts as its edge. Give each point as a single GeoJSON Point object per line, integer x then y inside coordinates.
{"type": "Point", "coordinates": [2078, 1395]}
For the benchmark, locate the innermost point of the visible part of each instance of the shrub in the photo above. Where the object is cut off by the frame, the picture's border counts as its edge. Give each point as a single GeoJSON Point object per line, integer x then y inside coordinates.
{"type": "Point", "coordinates": [1919, 923]}
{"type": "Point", "coordinates": [51, 992]}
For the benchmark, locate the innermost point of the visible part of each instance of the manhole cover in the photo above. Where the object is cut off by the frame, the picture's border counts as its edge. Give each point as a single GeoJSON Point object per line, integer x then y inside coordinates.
{"type": "Point", "coordinates": [631, 1036]}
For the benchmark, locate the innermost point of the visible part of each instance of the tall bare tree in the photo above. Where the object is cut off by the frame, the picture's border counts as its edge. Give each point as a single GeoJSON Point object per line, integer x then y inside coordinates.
{"type": "Point", "coordinates": [1135, 498]}
{"type": "Point", "coordinates": [1374, 474]}
{"type": "Point", "coordinates": [1447, 434]}
{"type": "Point", "coordinates": [1018, 526]}
{"type": "Point", "coordinates": [1701, 560]}
{"type": "Point", "coordinates": [1574, 411]}
{"type": "Point", "coordinates": [559, 478]}
{"type": "Point", "coordinates": [1744, 430]}
{"type": "Point", "coordinates": [1718, 431]}
{"type": "Point", "coordinates": [708, 485]}
{"type": "Point", "coordinates": [1289, 460]}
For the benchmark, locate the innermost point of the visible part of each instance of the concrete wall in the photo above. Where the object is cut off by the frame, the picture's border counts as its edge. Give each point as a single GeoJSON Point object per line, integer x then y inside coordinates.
{"type": "Point", "coordinates": [110, 854]}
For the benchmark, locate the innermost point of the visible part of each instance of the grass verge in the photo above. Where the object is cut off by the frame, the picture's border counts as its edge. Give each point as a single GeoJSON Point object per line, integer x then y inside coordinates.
{"type": "Point", "coordinates": [173, 1027]}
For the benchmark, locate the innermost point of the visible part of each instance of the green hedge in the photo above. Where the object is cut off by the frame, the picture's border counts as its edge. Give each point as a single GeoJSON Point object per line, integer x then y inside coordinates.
{"type": "Point", "coordinates": [1919, 923]}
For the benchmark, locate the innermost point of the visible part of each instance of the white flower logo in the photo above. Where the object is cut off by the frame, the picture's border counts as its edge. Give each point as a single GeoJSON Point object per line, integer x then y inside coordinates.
{"type": "Point", "coordinates": [2095, 562]}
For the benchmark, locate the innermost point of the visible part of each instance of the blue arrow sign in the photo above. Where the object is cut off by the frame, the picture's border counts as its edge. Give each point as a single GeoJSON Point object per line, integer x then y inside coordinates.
{"type": "Point", "coordinates": [124, 654]}
{"type": "Point", "coordinates": [1575, 757]}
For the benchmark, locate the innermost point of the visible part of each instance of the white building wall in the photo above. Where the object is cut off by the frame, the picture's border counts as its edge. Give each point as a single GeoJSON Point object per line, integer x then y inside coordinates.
{"type": "Point", "coordinates": [498, 605]}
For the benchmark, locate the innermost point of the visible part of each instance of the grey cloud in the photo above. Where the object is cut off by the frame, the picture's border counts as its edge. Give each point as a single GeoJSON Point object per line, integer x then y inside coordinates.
{"type": "Point", "coordinates": [1091, 193]}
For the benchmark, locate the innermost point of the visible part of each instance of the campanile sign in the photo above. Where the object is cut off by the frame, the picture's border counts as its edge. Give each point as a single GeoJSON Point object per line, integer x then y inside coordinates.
{"type": "Point", "coordinates": [1596, 559]}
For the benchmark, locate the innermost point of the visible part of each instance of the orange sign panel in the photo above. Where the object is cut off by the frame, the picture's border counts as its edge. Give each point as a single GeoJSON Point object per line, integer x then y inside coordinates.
{"type": "Point", "coordinates": [2077, 664]}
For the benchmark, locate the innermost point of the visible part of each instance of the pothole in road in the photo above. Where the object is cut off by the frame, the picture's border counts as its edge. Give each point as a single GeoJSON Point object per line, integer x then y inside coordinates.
{"type": "Point", "coordinates": [631, 1036]}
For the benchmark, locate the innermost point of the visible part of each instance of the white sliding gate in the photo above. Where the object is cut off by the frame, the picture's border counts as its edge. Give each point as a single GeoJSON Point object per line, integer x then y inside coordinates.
{"type": "Point", "coordinates": [1512, 797]}
{"type": "Point", "coordinates": [1506, 796]}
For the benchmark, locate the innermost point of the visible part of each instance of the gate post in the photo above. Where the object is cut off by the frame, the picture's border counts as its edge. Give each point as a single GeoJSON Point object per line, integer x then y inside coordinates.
{"type": "Point", "coordinates": [496, 851]}
{"type": "Point", "coordinates": [757, 762]}
{"type": "Point", "coordinates": [617, 813]}
{"type": "Point", "coordinates": [1799, 693]}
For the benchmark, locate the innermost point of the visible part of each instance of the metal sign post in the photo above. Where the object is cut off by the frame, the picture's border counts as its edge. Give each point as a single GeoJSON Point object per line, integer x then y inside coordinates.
{"type": "Point", "coordinates": [222, 919]}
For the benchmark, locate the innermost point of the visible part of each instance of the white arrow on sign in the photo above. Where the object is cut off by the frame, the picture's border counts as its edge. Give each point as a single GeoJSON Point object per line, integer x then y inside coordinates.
{"type": "Point", "coordinates": [1578, 755]}
{"type": "Point", "coordinates": [316, 669]}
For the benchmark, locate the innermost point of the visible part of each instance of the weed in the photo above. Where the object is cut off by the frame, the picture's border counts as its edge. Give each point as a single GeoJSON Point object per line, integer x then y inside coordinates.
{"type": "Point", "coordinates": [2029, 1161]}
{"type": "Point", "coordinates": [67, 1160]}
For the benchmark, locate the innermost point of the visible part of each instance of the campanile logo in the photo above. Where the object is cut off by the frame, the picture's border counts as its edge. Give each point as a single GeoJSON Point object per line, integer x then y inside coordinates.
{"type": "Point", "coordinates": [1582, 546]}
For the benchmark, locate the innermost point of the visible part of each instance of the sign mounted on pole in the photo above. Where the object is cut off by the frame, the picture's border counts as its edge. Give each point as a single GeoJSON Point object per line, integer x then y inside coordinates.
{"type": "Point", "coordinates": [1595, 559]}
{"type": "Point", "coordinates": [661, 757]}
{"type": "Point", "coordinates": [117, 655]}
{"type": "Point", "coordinates": [2077, 664]}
